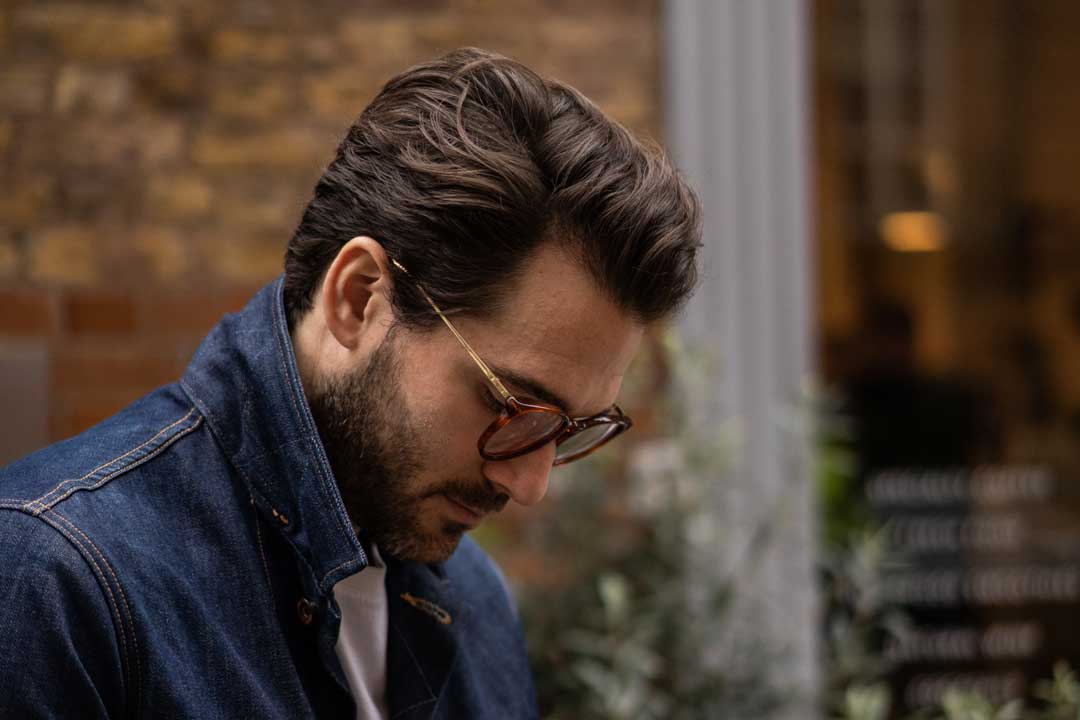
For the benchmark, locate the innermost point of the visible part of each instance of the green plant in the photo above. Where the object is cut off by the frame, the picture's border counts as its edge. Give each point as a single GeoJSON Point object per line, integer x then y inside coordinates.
{"type": "Point", "coordinates": [630, 626]}
{"type": "Point", "coordinates": [1061, 695]}
{"type": "Point", "coordinates": [641, 607]}
{"type": "Point", "coordinates": [865, 702]}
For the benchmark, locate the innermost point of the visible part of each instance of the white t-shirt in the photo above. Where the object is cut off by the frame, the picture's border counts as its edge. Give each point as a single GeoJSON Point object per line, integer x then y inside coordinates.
{"type": "Point", "coordinates": [361, 644]}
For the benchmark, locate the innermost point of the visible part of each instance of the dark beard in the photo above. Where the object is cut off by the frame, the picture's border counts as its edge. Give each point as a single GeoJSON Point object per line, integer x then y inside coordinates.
{"type": "Point", "coordinates": [373, 447]}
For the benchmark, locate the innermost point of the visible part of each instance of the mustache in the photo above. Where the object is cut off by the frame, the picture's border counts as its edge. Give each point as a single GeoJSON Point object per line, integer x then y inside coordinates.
{"type": "Point", "coordinates": [479, 496]}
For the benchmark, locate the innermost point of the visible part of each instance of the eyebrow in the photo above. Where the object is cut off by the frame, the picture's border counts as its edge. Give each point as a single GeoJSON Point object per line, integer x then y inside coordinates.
{"type": "Point", "coordinates": [535, 387]}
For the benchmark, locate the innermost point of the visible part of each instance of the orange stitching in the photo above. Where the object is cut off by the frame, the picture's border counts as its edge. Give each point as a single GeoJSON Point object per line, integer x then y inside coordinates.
{"type": "Point", "coordinates": [123, 596]}
{"type": "Point", "coordinates": [40, 502]}
{"type": "Point", "coordinates": [38, 507]}
{"type": "Point", "coordinates": [429, 607]}
{"type": "Point", "coordinates": [334, 569]}
{"type": "Point", "coordinates": [108, 591]}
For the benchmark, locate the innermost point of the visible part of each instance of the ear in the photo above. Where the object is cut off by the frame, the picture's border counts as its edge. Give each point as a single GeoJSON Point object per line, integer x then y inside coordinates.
{"type": "Point", "coordinates": [355, 294]}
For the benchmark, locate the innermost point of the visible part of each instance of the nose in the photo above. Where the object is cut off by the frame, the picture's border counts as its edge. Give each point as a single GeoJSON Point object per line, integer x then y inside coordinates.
{"type": "Point", "coordinates": [524, 478]}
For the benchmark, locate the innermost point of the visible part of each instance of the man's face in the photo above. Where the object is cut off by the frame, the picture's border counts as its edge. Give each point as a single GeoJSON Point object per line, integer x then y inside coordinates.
{"type": "Point", "coordinates": [401, 432]}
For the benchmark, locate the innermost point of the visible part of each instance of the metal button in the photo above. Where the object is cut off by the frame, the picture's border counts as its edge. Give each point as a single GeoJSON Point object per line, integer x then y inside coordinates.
{"type": "Point", "coordinates": [306, 610]}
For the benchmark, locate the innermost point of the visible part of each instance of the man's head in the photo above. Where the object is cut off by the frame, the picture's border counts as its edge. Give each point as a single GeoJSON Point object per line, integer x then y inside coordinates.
{"type": "Point", "coordinates": [547, 233]}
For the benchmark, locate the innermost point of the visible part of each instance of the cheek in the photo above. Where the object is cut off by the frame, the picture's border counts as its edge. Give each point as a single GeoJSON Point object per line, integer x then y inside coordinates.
{"type": "Point", "coordinates": [446, 414]}
{"type": "Point", "coordinates": [448, 430]}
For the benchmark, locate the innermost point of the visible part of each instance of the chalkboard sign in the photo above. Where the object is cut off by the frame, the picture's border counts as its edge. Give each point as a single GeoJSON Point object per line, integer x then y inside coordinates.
{"type": "Point", "coordinates": [988, 575]}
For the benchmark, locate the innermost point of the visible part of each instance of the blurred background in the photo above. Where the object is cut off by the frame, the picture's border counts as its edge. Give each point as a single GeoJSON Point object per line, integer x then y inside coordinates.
{"type": "Point", "coordinates": [852, 491]}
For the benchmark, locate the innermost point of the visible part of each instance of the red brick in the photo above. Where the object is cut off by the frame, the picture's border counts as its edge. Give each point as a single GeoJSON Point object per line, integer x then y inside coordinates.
{"type": "Point", "coordinates": [99, 313]}
{"type": "Point", "coordinates": [111, 370]}
{"type": "Point", "coordinates": [26, 312]}
{"type": "Point", "coordinates": [77, 412]}
{"type": "Point", "coordinates": [92, 380]}
{"type": "Point", "coordinates": [192, 313]}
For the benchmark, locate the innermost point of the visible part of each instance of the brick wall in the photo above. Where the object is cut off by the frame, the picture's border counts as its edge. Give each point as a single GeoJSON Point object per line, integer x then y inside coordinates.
{"type": "Point", "coordinates": [155, 157]}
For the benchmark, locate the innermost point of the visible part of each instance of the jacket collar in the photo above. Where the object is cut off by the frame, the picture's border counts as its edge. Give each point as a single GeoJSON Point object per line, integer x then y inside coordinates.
{"type": "Point", "coordinates": [244, 380]}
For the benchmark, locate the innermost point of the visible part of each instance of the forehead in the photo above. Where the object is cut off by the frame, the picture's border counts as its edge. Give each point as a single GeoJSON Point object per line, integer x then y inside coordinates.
{"type": "Point", "coordinates": [558, 328]}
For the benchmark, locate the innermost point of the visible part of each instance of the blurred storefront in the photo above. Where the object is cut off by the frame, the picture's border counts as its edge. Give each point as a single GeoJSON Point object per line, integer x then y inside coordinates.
{"type": "Point", "coordinates": [891, 224]}
{"type": "Point", "coordinates": [948, 307]}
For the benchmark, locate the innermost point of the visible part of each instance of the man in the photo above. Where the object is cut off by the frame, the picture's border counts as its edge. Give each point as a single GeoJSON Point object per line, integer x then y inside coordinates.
{"type": "Point", "coordinates": [280, 533]}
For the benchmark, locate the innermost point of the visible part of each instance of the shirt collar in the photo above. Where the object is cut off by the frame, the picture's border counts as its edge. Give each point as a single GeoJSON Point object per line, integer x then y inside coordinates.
{"type": "Point", "coordinates": [244, 380]}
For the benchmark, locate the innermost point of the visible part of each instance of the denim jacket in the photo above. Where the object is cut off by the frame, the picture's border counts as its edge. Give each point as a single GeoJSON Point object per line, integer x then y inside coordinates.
{"type": "Point", "coordinates": [179, 559]}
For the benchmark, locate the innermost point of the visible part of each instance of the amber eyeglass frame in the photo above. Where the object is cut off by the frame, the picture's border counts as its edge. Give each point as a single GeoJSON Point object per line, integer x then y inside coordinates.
{"type": "Point", "coordinates": [513, 408]}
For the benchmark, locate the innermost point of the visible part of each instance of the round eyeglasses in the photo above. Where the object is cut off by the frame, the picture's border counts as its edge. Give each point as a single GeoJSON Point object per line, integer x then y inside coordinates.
{"type": "Point", "coordinates": [525, 425]}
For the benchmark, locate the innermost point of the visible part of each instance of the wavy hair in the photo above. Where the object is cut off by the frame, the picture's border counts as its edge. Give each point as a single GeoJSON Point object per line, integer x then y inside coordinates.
{"type": "Point", "coordinates": [461, 167]}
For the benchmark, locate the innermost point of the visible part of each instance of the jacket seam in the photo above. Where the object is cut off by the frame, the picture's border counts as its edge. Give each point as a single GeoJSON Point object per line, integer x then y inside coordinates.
{"type": "Point", "coordinates": [331, 571]}
{"type": "Point", "coordinates": [419, 670]}
{"type": "Point", "coordinates": [39, 505]}
{"type": "Point", "coordinates": [412, 707]}
{"type": "Point", "coordinates": [213, 425]}
{"type": "Point", "coordinates": [125, 604]}
{"type": "Point", "coordinates": [115, 616]}
{"type": "Point", "coordinates": [442, 690]}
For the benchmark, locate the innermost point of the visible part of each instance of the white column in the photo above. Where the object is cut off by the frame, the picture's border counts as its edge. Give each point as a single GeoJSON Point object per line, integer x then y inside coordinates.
{"type": "Point", "coordinates": [736, 78]}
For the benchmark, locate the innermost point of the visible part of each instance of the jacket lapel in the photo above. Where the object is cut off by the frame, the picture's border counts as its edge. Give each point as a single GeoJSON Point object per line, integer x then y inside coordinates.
{"type": "Point", "coordinates": [422, 643]}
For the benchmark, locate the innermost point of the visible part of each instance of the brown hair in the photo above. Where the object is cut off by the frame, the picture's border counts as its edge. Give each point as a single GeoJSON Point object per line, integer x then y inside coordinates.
{"type": "Point", "coordinates": [462, 166]}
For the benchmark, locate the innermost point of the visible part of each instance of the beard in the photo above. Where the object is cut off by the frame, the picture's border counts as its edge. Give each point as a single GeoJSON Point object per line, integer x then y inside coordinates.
{"type": "Point", "coordinates": [376, 452]}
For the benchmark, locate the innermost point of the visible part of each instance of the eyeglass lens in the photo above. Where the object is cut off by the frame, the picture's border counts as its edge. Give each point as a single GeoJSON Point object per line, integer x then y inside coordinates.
{"type": "Point", "coordinates": [585, 440]}
{"type": "Point", "coordinates": [522, 431]}
{"type": "Point", "coordinates": [528, 428]}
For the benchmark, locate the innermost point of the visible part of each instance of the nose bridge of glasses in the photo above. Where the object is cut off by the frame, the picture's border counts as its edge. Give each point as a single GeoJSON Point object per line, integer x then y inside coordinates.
{"type": "Point", "coordinates": [574, 425]}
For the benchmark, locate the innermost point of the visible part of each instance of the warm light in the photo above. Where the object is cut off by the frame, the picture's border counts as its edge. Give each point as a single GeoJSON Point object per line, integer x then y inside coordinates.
{"type": "Point", "coordinates": [913, 231]}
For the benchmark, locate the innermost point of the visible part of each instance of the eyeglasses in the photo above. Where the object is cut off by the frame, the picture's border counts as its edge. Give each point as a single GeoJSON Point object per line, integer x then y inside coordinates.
{"type": "Point", "coordinates": [526, 424]}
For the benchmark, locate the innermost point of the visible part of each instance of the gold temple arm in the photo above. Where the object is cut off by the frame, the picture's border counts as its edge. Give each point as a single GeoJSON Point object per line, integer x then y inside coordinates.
{"type": "Point", "coordinates": [496, 383]}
